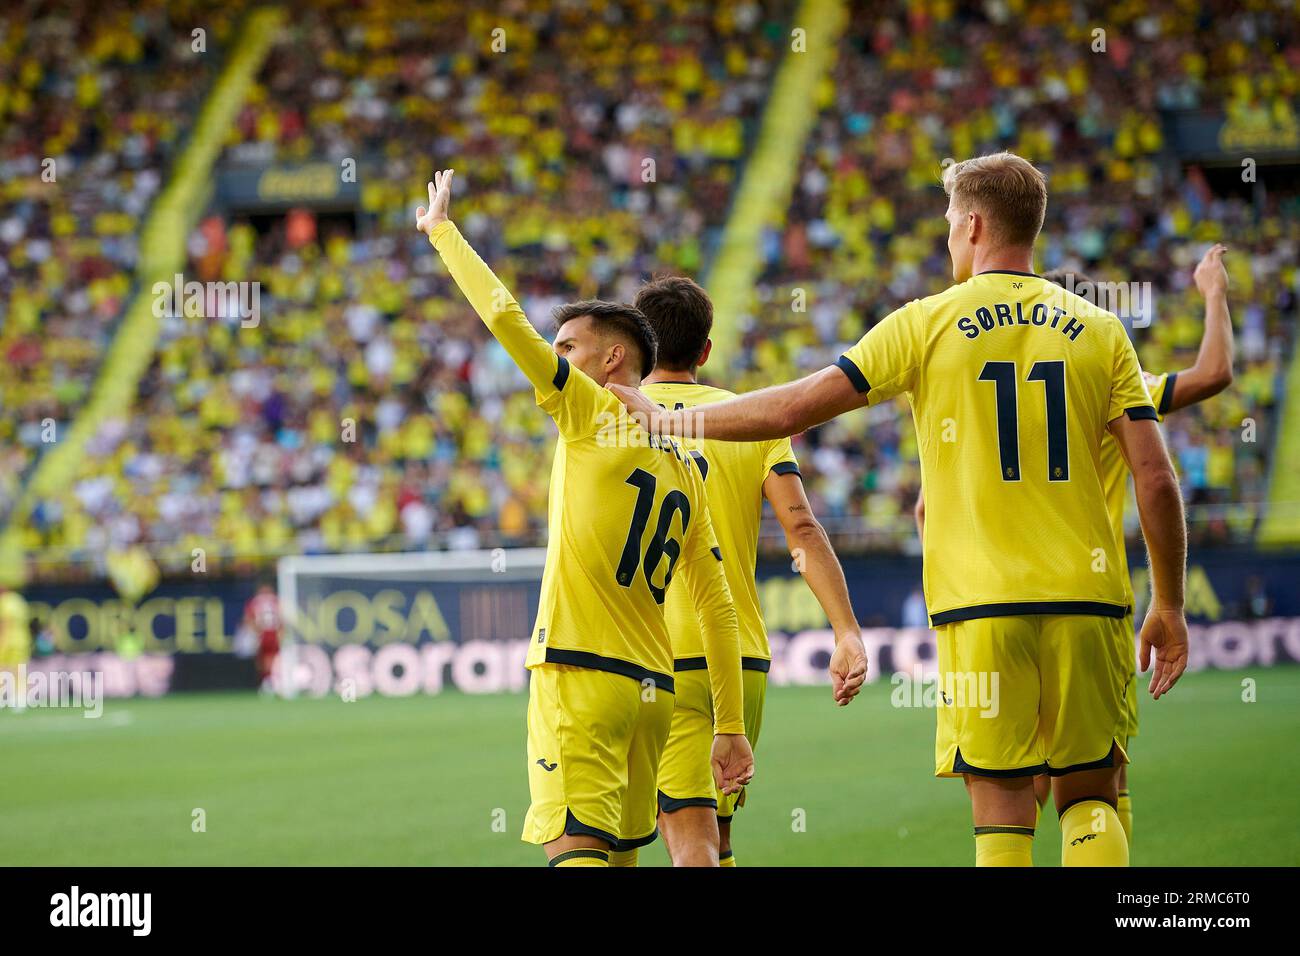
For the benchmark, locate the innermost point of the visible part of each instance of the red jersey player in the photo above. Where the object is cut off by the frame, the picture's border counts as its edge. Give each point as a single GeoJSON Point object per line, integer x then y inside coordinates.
{"type": "Point", "coordinates": [262, 615]}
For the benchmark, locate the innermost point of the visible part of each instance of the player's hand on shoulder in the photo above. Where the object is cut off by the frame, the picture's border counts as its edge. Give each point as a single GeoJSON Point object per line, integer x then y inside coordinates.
{"type": "Point", "coordinates": [1165, 630]}
{"type": "Point", "coordinates": [640, 406]}
{"type": "Point", "coordinates": [439, 202]}
{"type": "Point", "coordinates": [848, 668]}
{"type": "Point", "coordinates": [1210, 276]}
{"type": "Point", "coordinates": [733, 762]}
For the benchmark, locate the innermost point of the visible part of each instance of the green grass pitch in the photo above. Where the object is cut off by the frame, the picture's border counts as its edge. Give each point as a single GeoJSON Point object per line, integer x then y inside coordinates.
{"type": "Point", "coordinates": [441, 780]}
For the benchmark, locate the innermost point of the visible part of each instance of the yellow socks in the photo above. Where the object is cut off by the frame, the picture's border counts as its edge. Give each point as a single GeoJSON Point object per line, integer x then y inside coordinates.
{"type": "Point", "coordinates": [1004, 846]}
{"type": "Point", "coordinates": [625, 858]}
{"type": "Point", "coordinates": [727, 859]}
{"type": "Point", "coordinates": [1092, 835]}
{"type": "Point", "coordinates": [581, 857]}
{"type": "Point", "coordinates": [1125, 811]}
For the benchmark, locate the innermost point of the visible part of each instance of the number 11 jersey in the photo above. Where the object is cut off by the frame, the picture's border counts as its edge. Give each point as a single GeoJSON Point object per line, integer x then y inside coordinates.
{"type": "Point", "coordinates": [1012, 382]}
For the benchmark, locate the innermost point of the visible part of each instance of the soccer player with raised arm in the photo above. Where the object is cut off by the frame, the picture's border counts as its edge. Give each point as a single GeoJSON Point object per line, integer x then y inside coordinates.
{"type": "Point", "coordinates": [1013, 386]}
{"type": "Point", "coordinates": [694, 817]}
{"type": "Point", "coordinates": [627, 514]}
{"type": "Point", "coordinates": [1209, 375]}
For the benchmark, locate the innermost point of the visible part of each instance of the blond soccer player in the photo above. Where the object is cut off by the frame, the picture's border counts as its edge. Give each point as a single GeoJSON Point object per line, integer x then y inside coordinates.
{"type": "Point", "coordinates": [1013, 387]}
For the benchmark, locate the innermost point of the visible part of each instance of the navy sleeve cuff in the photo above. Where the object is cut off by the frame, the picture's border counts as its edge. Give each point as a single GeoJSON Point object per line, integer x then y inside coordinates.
{"type": "Point", "coordinates": [1167, 397]}
{"type": "Point", "coordinates": [845, 365]}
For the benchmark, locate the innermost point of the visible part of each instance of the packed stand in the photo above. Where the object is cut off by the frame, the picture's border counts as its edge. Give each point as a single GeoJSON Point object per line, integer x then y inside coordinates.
{"type": "Point", "coordinates": [865, 234]}
{"type": "Point", "coordinates": [93, 106]}
{"type": "Point", "coordinates": [370, 408]}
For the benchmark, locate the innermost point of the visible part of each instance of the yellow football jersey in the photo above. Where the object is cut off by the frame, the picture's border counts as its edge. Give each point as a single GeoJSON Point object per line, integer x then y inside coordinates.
{"type": "Point", "coordinates": [734, 473]}
{"type": "Point", "coordinates": [1114, 470]}
{"type": "Point", "coordinates": [627, 514]}
{"type": "Point", "coordinates": [1012, 381]}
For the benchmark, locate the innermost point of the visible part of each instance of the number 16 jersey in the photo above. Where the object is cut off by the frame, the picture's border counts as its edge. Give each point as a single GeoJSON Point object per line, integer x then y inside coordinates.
{"type": "Point", "coordinates": [627, 516]}
{"type": "Point", "coordinates": [1012, 382]}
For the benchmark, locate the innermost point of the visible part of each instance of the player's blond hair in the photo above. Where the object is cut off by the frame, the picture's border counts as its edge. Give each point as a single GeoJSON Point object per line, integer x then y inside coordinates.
{"type": "Point", "coordinates": [1006, 189]}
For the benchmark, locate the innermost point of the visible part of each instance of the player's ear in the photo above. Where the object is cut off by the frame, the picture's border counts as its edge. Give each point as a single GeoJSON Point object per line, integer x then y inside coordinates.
{"type": "Point", "coordinates": [617, 353]}
{"type": "Point", "coordinates": [974, 226]}
{"type": "Point", "coordinates": [704, 356]}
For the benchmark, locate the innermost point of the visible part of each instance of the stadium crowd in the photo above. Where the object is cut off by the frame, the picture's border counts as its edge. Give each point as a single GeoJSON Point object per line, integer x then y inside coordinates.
{"type": "Point", "coordinates": [92, 109]}
{"type": "Point", "coordinates": [864, 232]}
{"type": "Point", "coordinates": [370, 409]}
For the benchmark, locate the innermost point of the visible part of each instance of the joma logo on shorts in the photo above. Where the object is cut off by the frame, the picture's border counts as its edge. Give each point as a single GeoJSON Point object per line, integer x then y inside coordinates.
{"type": "Point", "coordinates": [548, 767]}
{"type": "Point", "coordinates": [1083, 839]}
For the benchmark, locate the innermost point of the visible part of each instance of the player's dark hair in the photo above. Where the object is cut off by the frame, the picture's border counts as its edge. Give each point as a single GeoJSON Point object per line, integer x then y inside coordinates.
{"type": "Point", "coordinates": [1080, 283]}
{"type": "Point", "coordinates": [681, 314]}
{"type": "Point", "coordinates": [619, 320]}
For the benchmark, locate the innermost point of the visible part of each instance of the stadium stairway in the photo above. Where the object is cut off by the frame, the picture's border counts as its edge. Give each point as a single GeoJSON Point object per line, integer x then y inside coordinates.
{"type": "Point", "coordinates": [769, 176]}
{"type": "Point", "coordinates": [162, 256]}
{"type": "Point", "coordinates": [1281, 525]}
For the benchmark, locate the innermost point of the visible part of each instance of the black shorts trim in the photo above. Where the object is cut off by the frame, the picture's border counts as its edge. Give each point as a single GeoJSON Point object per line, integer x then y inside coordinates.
{"type": "Point", "coordinates": [1104, 763]}
{"type": "Point", "coordinates": [1142, 413]}
{"type": "Point", "coordinates": [786, 468]}
{"type": "Point", "coordinates": [583, 853]}
{"type": "Point", "coordinates": [760, 664]}
{"type": "Point", "coordinates": [669, 804]}
{"type": "Point", "coordinates": [575, 827]}
{"type": "Point", "coordinates": [1167, 396]}
{"type": "Point", "coordinates": [716, 552]}
{"type": "Point", "coordinates": [558, 655]}
{"type": "Point", "coordinates": [845, 365]}
{"type": "Point", "coordinates": [622, 846]}
{"type": "Point", "coordinates": [1025, 608]}
{"type": "Point", "coordinates": [959, 765]}
{"type": "Point", "coordinates": [561, 374]}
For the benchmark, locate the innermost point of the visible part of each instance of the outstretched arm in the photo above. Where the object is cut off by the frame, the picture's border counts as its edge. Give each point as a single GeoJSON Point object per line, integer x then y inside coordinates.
{"type": "Point", "coordinates": [775, 412]}
{"type": "Point", "coordinates": [486, 293]}
{"type": "Point", "coordinates": [1212, 372]}
{"type": "Point", "coordinates": [883, 364]}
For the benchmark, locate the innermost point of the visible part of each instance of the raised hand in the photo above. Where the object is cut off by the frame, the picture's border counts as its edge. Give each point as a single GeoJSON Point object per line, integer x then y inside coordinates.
{"type": "Point", "coordinates": [1211, 277]}
{"type": "Point", "coordinates": [439, 202]}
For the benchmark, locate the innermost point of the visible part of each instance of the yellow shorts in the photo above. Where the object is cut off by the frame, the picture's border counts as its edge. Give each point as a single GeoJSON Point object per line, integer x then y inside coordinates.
{"type": "Point", "coordinates": [594, 743]}
{"type": "Point", "coordinates": [1026, 695]}
{"type": "Point", "coordinates": [686, 771]}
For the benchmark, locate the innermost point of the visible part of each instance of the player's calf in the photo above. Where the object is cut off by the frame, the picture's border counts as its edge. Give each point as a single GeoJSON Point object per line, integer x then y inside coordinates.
{"type": "Point", "coordinates": [1004, 812]}
{"type": "Point", "coordinates": [691, 835]}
